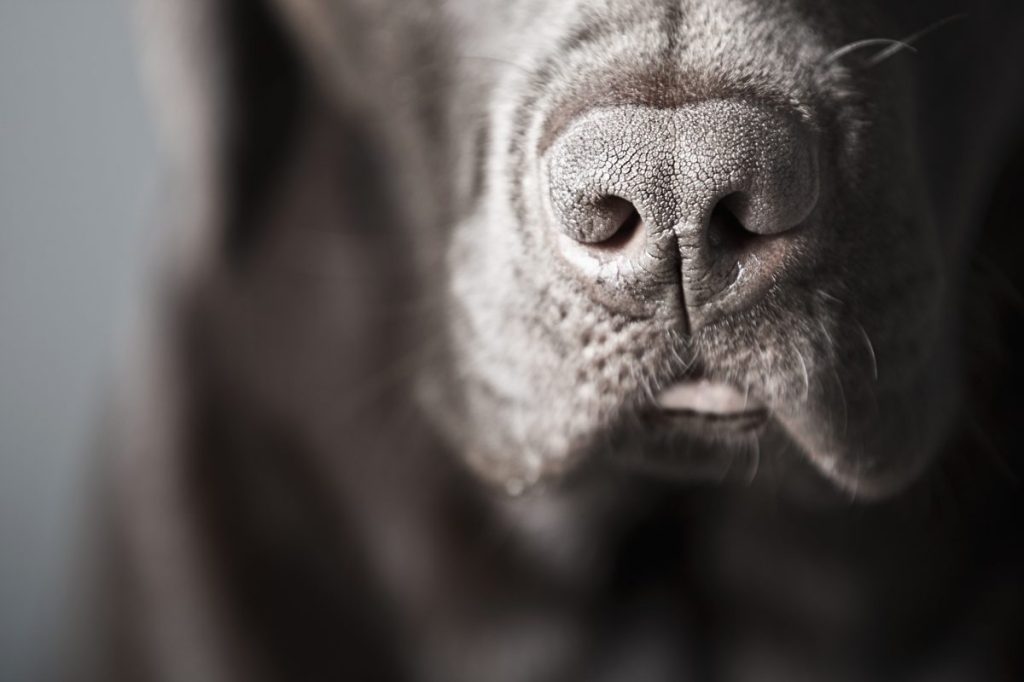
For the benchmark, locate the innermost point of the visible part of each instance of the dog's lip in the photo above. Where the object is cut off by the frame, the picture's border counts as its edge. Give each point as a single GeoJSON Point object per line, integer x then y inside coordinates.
{"type": "Point", "coordinates": [710, 403]}
{"type": "Point", "coordinates": [704, 396]}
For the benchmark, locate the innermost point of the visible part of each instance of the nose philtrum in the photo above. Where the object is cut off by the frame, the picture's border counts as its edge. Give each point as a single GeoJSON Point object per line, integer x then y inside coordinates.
{"type": "Point", "coordinates": [702, 196]}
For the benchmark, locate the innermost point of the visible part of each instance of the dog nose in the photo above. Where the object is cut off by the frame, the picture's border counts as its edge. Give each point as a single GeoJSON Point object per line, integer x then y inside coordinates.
{"type": "Point", "coordinates": [702, 199]}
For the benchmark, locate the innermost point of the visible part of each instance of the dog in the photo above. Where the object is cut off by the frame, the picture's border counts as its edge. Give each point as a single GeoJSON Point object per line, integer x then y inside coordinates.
{"type": "Point", "coordinates": [583, 340]}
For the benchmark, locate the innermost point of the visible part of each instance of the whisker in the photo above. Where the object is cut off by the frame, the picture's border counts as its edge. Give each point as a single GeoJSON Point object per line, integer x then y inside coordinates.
{"type": "Point", "coordinates": [675, 340]}
{"type": "Point", "coordinates": [892, 46]}
{"type": "Point", "coordinates": [871, 349]}
{"type": "Point", "coordinates": [831, 345]}
{"type": "Point", "coordinates": [645, 385]}
{"type": "Point", "coordinates": [913, 38]}
{"type": "Point", "coordinates": [829, 297]}
{"type": "Point", "coordinates": [826, 336]}
{"type": "Point", "coordinates": [807, 376]}
{"type": "Point", "coordinates": [891, 43]}
{"type": "Point", "coordinates": [755, 459]}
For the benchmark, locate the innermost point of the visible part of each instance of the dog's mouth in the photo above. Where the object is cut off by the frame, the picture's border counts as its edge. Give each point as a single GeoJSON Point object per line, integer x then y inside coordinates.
{"type": "Point", "coordinates": [705, 405]}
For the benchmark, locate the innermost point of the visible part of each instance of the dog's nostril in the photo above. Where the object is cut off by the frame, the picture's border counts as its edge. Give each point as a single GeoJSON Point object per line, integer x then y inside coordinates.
{"type": "Point", "coordinates": [616, 224]}
{"type": "Point", "coordinates": [726, 232]}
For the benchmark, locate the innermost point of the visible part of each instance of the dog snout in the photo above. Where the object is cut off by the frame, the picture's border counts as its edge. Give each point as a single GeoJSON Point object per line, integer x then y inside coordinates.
{"type": "Point", "coordinates": [701, 200]}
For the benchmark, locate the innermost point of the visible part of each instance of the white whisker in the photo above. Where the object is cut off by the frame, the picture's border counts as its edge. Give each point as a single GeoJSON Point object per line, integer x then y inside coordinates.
{"type": "Point", "coordinates": [755, 459]}
{"type": "Point", "coordinates": [871, 351]}
{"type": "Point", "coordinates": [892, 46]}
{"type": "Point", "coordinates": [807, 376]}
{"type": "Point", "coordinates": [913, 38]}
{"type": "Point", "coordinates": [829, 297]}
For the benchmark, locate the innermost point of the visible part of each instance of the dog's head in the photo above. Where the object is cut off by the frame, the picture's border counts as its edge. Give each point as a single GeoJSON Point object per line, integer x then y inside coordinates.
{"type": "Point", "coordinates": [674, 232]}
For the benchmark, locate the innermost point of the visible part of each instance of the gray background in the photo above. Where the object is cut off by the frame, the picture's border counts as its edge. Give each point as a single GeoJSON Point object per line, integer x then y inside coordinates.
{"type": "Point", "coordinates": [78, 180]}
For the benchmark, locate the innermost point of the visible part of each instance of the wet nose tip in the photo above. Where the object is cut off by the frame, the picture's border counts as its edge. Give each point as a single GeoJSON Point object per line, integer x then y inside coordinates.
{"type": "Point", "coordinates": [720, 177]}
{"type": "Point", "coordinates": [677, 166]}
